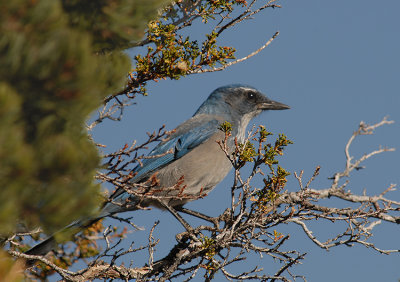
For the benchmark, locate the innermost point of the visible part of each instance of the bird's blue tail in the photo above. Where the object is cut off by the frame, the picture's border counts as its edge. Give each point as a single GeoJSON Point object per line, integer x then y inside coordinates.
{"type": "Point", "coordinates": [50, 243]}
{"type": "Point", "coordinates": [109, 208]}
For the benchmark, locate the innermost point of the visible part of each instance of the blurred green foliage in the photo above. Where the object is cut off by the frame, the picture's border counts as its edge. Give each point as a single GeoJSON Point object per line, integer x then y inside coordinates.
{"type": "Point", "coordinates": [10, 270]}
{"type": "Point", "coordinates": [58, 61]}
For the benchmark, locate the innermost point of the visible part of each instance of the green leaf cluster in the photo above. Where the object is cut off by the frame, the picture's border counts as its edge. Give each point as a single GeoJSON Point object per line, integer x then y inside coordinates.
{"type": "Point", "coordinates": [209, 245]}
{"type": "Point", "coordinates": [213, 7]}
{"type": "Point", "coordinates": [172, 55]}
{"type": "Point", "coordinates": [276, 179]}
{"type": "Point", "coordinates": [225, 127]}
{"type": "Point", "coordinates": [271, 151]}
{"type": "Point", "coordinates": [247, 152]}
{"type": "Point", "coordinates": [55, 71]}
{"type": "Point", "coordinates": [266, 154]}
{"type": "Point", "coordinates": [273, 185]}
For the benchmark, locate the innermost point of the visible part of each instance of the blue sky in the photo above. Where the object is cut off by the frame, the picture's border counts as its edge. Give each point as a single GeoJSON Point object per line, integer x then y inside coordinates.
{"type": "Point", "coordinates": [335, 63]}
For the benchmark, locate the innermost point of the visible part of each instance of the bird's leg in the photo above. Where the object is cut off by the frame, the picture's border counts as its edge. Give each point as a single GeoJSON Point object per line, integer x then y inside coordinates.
{"type": "Point", "coordinates": [178, 217]}
{"type": "Point", "coordinates": [199, 215]}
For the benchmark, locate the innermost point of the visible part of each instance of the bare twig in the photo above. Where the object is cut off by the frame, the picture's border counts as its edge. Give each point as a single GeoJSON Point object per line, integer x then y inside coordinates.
{"type": "Point", "coordinates": [238, 60]}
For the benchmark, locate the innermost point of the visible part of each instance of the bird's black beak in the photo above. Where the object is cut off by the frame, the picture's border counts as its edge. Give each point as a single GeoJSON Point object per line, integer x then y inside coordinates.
{"type": "Point", "coordinates": [272, 105]}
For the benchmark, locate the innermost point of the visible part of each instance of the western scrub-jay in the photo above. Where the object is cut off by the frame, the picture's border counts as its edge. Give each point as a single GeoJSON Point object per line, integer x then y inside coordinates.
{"type": "Point", "coordinates": [195, 157]}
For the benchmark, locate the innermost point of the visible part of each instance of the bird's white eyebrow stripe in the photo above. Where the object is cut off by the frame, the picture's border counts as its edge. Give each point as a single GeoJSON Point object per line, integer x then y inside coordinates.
{"type": "Point", "coordinates": [247, 89]}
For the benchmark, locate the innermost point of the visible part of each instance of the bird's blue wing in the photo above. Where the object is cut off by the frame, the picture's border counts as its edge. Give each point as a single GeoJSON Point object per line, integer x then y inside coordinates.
{"type": "Point", "coordinates": [180, 143]}
{"type": "Point", "coordinates": [187, 136]}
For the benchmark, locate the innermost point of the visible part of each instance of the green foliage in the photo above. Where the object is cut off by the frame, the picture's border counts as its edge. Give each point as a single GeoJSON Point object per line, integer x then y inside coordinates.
{"type": "Point", "coordinates": [273, 185]}
{"type": "Point", "coordinates": [270, 152]}
{"type": "Point", "coordinates": [266, 154]}
{"type": "Point", "coordinates": [172, 55]}
{"type": "Point", "coordinates": [263, 134]}
{"type": "Point", "coordinates": [225, 127]}
{"type": "Point", "coordinates": [209, 245]}
{"type": "Point", "coordinates": [247, 152]}
{"type": "Point", "coordinates": [210, 8]}
{"type": "Point", "coordinates": [52, 78]}
{"type": "Point", "coordinates": [16, 158]}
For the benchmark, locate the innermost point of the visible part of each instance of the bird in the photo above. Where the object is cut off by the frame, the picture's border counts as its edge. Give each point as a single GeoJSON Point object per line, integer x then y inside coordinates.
{"type": "Point", "coordinates": [190, 155]}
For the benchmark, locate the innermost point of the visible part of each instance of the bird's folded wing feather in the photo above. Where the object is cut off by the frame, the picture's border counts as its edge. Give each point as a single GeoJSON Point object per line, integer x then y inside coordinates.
{"type": "Point", "coordinates": [187, 136]}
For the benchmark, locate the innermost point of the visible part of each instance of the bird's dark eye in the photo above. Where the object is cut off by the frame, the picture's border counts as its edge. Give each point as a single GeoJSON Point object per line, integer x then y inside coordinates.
{"type": "Point", "coordinates": [251, 95]}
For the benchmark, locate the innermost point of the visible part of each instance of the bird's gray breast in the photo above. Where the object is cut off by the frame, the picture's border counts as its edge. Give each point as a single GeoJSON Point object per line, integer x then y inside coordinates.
{"type": "Point", "coordinates": [198, 172]}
